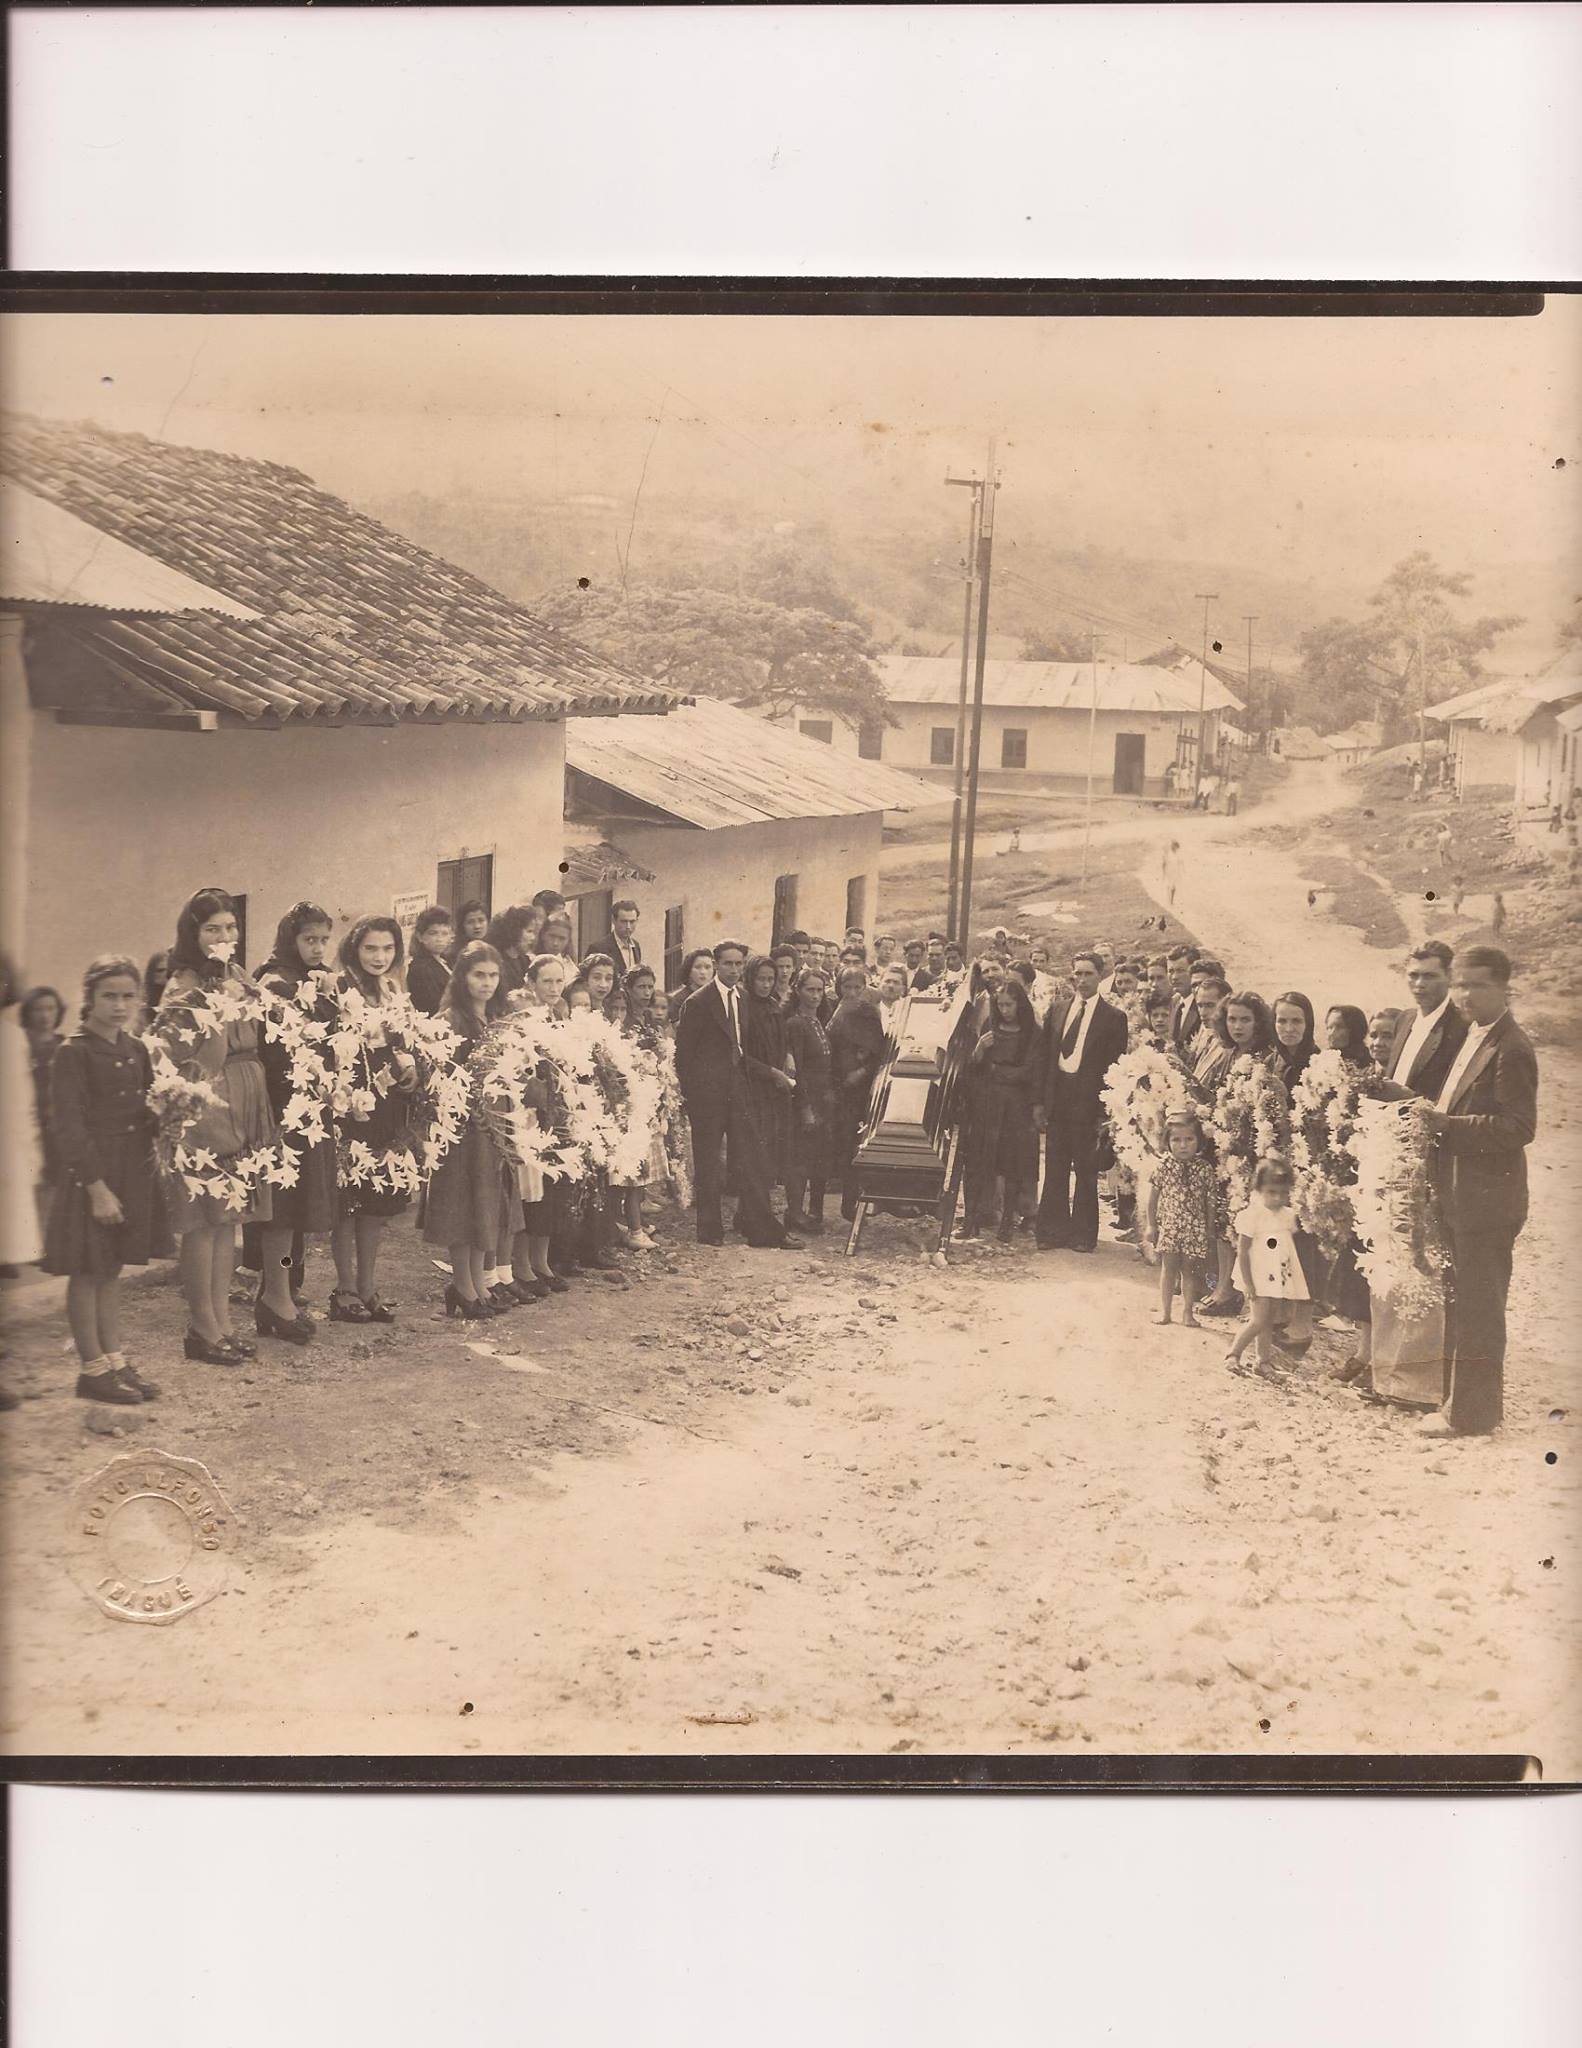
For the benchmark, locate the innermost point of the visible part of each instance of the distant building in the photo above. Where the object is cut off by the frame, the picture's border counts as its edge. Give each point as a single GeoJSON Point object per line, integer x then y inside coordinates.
{"type": "Point", "coordinates": [1040, 720]}
{"type": "Point", "coordinates": [1517, 733]}
{"type": "Point", "coordinates": [1358, 743]}
{"type": "Point", "coordinates": [742, 830]}
{"type": "Point", "coordinates": [1297, 743]}
{"type": "Point", "coordinates": [215, 673]}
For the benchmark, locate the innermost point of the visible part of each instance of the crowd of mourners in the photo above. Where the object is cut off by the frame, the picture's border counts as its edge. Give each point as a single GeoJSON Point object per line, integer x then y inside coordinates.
{"type": "Point", "coordinates": [194, 1110]}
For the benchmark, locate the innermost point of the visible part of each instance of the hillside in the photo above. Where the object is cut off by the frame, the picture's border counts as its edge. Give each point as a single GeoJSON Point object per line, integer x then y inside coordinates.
{"type": "Point", "coordinates": [900, 565]}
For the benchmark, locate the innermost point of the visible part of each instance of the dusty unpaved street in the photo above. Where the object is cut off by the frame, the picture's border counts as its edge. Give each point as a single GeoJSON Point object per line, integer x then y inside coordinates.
{"type": "Point", "coordinates": [764, 1503]}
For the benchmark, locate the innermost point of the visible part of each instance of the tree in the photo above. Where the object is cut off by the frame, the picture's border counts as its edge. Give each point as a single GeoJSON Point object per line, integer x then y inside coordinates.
{"type": "Point", "coordinates": [1056, 643]}
{"type": "Point", "coordinates": [1410, 651]}
{"type": "Point", "coordinates": [712, 642]}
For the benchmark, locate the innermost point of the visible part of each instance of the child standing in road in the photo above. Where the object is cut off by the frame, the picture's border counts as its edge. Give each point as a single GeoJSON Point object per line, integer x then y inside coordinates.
{"type": "Point", "coordinates": [1271, 1271]}
{"type": "Point", "coordinates": [1182, 1225]}
{"type": "Point", "coordinates": [103, 1213]}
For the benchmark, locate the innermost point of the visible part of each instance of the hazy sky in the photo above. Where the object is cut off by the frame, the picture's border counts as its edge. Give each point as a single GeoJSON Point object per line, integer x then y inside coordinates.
{"type": "Point", "coordinates": [1321, 449]}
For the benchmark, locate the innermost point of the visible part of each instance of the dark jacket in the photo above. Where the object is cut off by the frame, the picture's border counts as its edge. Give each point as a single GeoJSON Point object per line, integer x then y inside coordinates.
{"type": "Point", "coordinates": [1480, 1160]}
{"type": "Point", "coordinates": [1074, 1098]}
{"type": "Point", "coordinates": [856, 1048]}
{"type": "Point", "coordinates": [707, 1061]}
{"type": "Point", "coordinates": [1435, 1058]}
{"type": "Point", "coordinates": [1185, 1023]}
{"type": "Point", "coordinates": [427, 980]}
{"type": "Point", "coordinates": [610, 945]}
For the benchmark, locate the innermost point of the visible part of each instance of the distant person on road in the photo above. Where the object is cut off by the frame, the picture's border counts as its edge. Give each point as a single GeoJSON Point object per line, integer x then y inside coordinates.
{"type": "Point", "coordinates": [1417, 780]}
{"type": "Point", "coordinates": [1497, 915]}
{"type": "Point", "coordinates": [1170, 870]}
{"type": "Point", "coordinates": [1444, 838]}
{"type": "Point", "coordinates": [1232, 795]}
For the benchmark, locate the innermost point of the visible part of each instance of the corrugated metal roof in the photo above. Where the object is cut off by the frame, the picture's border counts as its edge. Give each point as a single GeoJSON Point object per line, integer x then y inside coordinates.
{"type": "Point", "coordinates": [1514, 696]}
{"type": "Point", "coordinates": [350, 619]}
{"type": "Point", "coordinates": [710, 764]}
{"type": "Point", "coordinates": [1055, 685]}
{"type": "Point", "coordinates": [49, 556]}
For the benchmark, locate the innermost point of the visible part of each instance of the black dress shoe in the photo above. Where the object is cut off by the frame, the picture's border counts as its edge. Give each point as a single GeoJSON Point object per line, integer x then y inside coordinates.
{"type": "Point", "coordinates": [289, 1329]}
{"type": "Point", "coordinates": [108, 1387]}
{"type": "Point", "coordinates": [194, 1346]}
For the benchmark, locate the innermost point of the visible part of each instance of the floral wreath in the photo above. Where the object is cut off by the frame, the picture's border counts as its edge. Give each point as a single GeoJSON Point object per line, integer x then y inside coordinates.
{"type": "Point", "coordinates": [1144, 1088]}
{"type": "Point", "coordinates": [179, 1100]}
{"type": "Point", "coordinates": [360, 1043]}
{"type": "Point", "coordinates": [1404, 1255]}
{"type": "Point", "coordinates": [1250, 1121]}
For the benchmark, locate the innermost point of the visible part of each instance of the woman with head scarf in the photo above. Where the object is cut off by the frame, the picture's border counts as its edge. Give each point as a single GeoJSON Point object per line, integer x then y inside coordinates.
{"type": "Point", "coordinates": [1294, 1039]}
{"type": "Point", "coordinates": [807, 1040]}
{"type": "Point", "coordinates": [856, 1053]}
{"type": "Point", "coordinates": [1000, 1143]}
{"type": "Point", "coordinates": [765, 1064]}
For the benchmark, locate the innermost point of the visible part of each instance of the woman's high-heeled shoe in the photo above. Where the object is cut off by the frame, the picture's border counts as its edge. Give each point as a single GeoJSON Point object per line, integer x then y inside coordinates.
{"type": "Point", "coordinates": [289, 1329]}
{"type": "Point", "coordinates": [346, 1307]}
{"type": "Point", "coordinates": [194, 1346]}
{"type": "Point", "coordinates": [554, 1283]}
{"type": "Point", "coordinates": [503, 1298]}
{"type": "Point", "coordinates": [459, 1304]}
{"type": "Point", "coordinates": [379, 1310]}
{"type": "Point", "coordinates": [525, 1292]}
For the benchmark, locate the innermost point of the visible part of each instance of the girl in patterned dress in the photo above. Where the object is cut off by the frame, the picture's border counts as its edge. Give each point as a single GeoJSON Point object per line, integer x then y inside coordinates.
{"type": "Point", "coordinates": [1183, 1217]}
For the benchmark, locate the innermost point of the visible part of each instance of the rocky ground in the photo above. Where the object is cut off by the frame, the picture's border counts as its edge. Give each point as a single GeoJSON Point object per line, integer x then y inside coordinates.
{"type": "Point", "coordinates": [751, 1502]}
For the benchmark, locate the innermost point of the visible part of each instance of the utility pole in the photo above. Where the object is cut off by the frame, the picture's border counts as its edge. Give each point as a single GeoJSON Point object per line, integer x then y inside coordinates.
{"type": "Point", "coordinates": [1209, 597]}
{"type": "Point", "coordinates": [985, 561]}
{"type": "Point", "coordinates": [1252, 619]}
{"type": "Point", "coordinates": [975, 485]}
{"type": "Point", "coordinates": [1093, 721]}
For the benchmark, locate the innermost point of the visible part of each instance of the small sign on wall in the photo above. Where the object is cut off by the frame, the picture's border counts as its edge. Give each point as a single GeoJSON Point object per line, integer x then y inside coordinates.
{"type": "Point", "coordinates": [405, 910]}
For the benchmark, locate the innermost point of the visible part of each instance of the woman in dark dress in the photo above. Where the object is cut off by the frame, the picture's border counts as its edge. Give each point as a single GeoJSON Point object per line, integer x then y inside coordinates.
{"type": "Point", "coordinates": [1001, 1144]}
{"type": "Point", "coordinates": [1346, 1292]}
{"type": "Point", "coordinates": [102, 1215]}
{"type": "Point", "coordinates": [1295, 1041]}
{"type": "Point", "coordinates": [769, 1084]}
{"type": "Point", "coordinates": [297, 972]}
{"type": "Point", "coordinates": [514, 936]}
{"type": "Point", "coordinates": [856, 1053]}
{"type": "Point", "coordinates": [433, 948]}
{"type": "Point", "coordinates": [813, 1114]}
{"type": "Point", "coordinates": [472, 1201]}
{"type": "Point", "coordinates": [40, 1016]}
{"type": "Point", "coordinates": [385, 1069]}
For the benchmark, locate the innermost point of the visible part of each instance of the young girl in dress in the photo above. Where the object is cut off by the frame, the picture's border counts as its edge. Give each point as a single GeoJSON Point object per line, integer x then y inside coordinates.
{"type": "Point", "coordinates": [1182, 1223]}
{"type": "Point", "coordinates": [472, 1205]}
{"type": "Point", "coordinates": [370, 960]}
{"type": "Point", "coordinates": [1271, 1272]}
{"type": "Point", "coordinates": [102, 1213]}
{"type": "Point", "coordinates": [237, 1127]}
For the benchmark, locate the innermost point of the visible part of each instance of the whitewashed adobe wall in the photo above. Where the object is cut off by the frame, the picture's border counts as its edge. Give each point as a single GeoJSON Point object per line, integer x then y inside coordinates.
{"type": "Point", "coordinates": [1057, 741]}
{"type": "Point", "coordinates": [725, 879]}
{"type": "Point", "coordinates": [126, 824]}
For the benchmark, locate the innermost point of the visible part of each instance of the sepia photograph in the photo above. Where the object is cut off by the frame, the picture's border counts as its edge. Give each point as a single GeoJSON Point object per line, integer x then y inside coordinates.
{"type": "Point", "coordinates": [754, 1035]}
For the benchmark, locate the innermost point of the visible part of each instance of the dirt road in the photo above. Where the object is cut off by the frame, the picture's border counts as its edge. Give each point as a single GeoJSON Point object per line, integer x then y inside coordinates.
{"type": "Point", "coordinates": [803, 1504]}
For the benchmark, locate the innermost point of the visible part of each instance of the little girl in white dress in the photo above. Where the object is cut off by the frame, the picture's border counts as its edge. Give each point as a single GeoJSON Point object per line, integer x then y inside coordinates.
{"type": "Point", "coordinates": [1266, 1254]}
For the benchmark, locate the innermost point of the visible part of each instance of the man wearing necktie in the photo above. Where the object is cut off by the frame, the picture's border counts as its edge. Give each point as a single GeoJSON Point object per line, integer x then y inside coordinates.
{"type": "Point", "coordinates": [714, 1087]}
{"type": "Point", "coordinates": [1084, 1036]}
{"type": "Point", "coordinates": [1482, 1124]}
{"type": "Point", "coordinates": [621, 941]}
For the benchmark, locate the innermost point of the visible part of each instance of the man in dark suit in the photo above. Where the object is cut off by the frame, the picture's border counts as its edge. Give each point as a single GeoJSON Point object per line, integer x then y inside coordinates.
{"type": "Point", "coordinates": [1083, 1038]}
{"type": "Point", "coordinates": [1184, 1018]}
{"type": "Point", "coordinates": [620, 942]}
{"type": "Point", "coordinates": [1483, 1122]}
{"type": "Point", "coordinates": [709, 1068]}
{"type": "Point", "coordinates": [1429, 1035]}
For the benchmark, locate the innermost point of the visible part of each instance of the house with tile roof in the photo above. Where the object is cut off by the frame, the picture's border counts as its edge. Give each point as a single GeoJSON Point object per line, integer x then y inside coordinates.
{"type": "Point", "coordinates": [730, 827]}
{"type": "Point", "coordinates": [215, 672]}
{"type": "Point", "coordinates": [1041, 719]}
